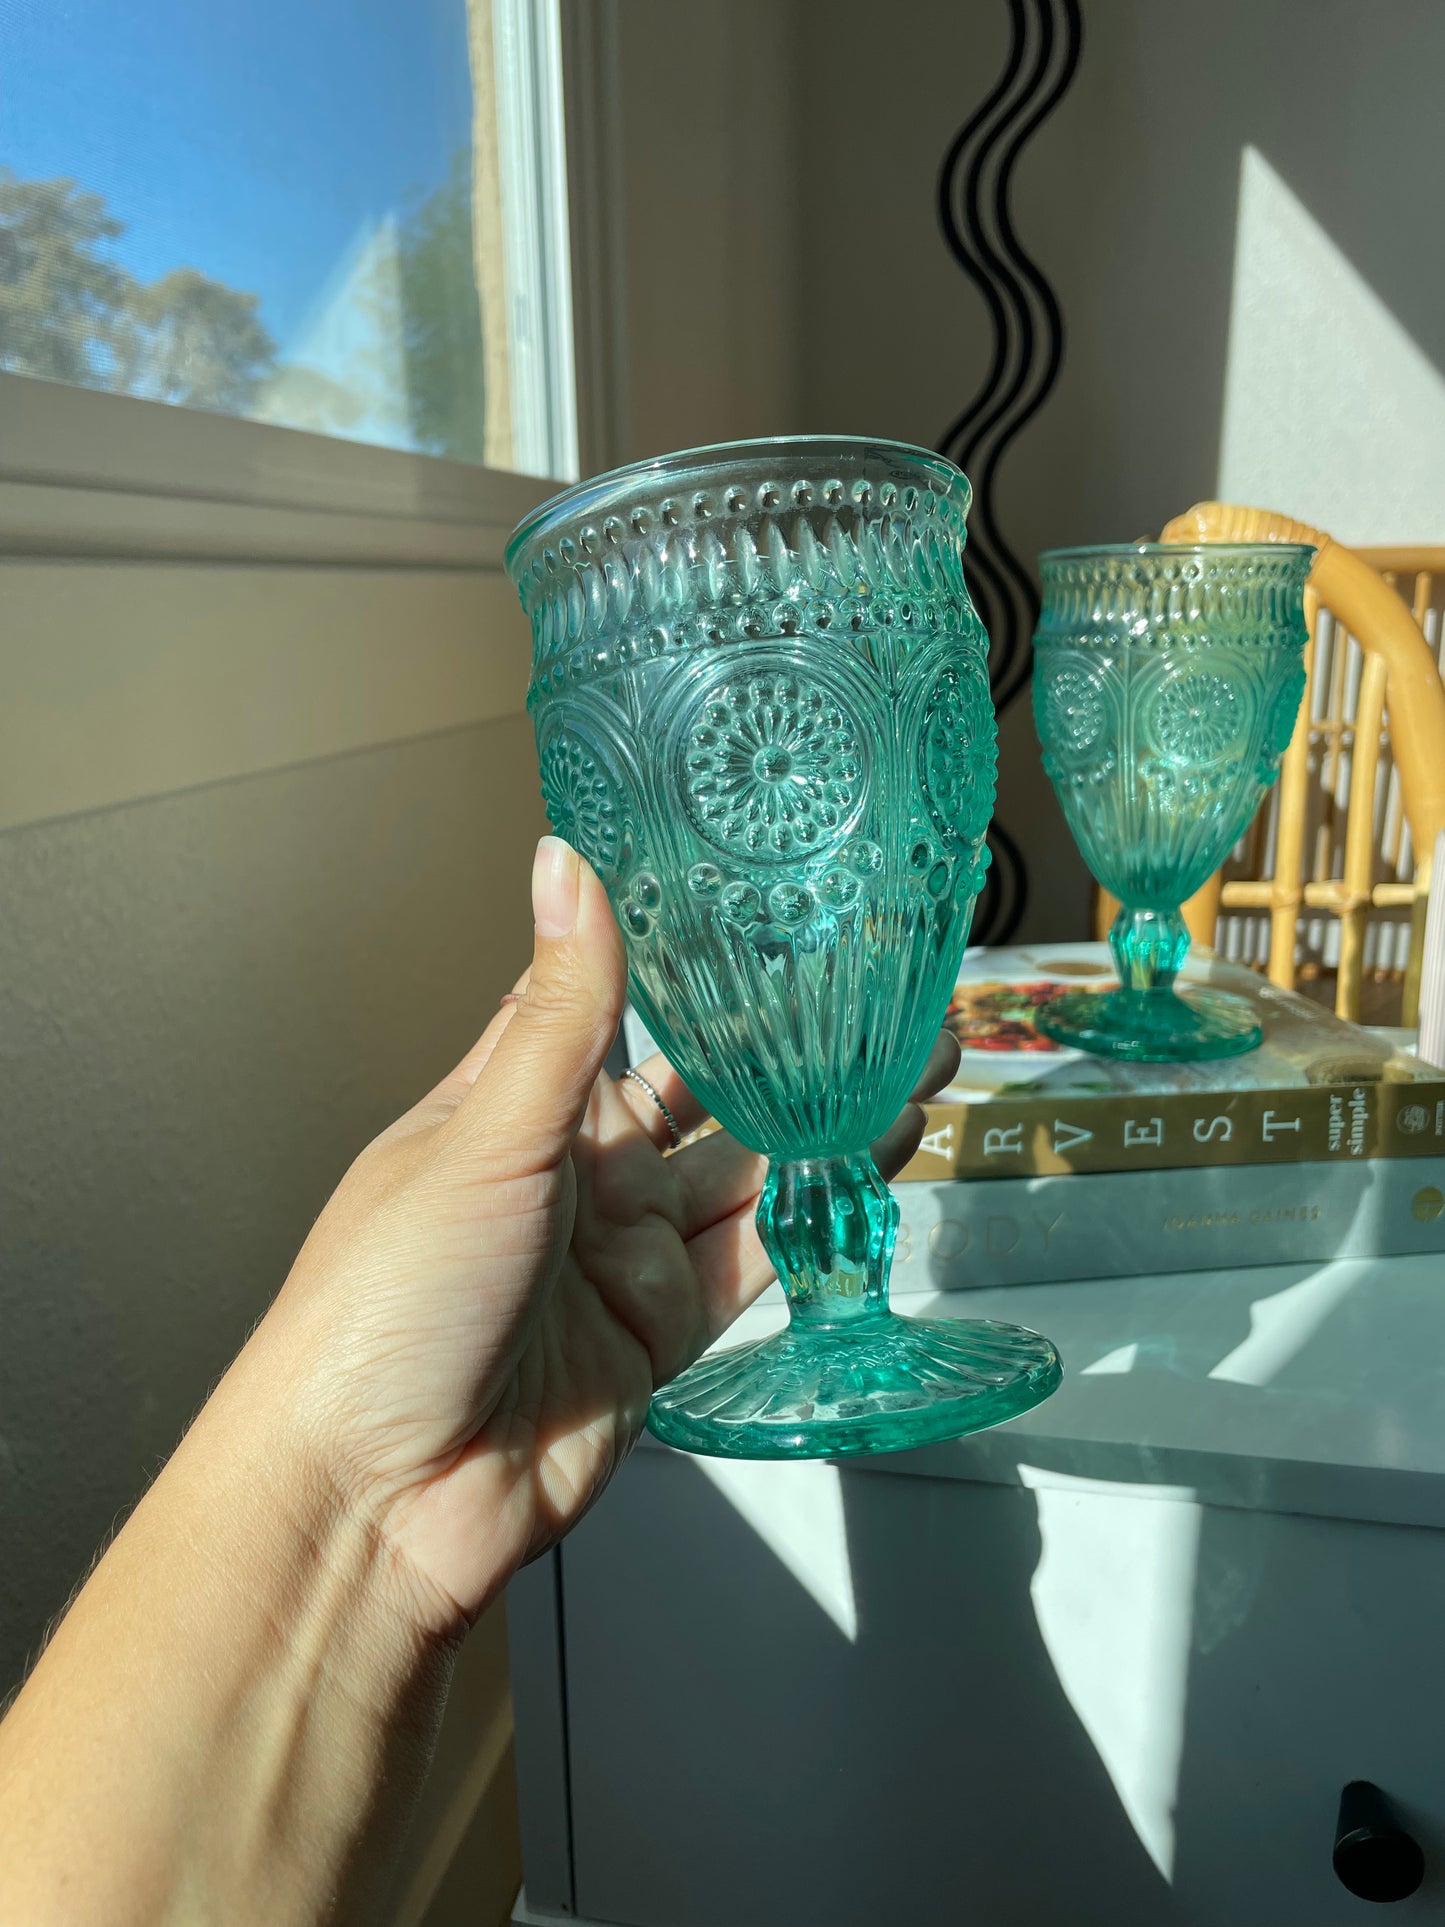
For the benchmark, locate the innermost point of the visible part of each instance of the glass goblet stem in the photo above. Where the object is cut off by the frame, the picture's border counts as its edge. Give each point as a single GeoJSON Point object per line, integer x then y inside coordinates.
{"type": "Point", "coordinates": [1148, 946]}
{"type": "Point", "coordinates": [846, 1374]}
{"type": "Point", "coordinates": [829, 1225]}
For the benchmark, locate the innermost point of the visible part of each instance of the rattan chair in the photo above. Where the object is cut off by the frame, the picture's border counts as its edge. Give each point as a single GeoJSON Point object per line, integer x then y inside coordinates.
{"type": "Point", "coordinates": [1347, 833]}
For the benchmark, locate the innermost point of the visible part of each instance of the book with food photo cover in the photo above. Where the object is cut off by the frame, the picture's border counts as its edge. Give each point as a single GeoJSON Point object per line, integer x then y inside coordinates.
{"type": "Point", "coordinates": [1316, 1089]}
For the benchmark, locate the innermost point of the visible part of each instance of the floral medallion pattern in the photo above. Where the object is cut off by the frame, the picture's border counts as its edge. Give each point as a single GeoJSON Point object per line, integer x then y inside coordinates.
{"type": "Point", "coordinates": [958, 755]}
{"type": "Point", "coordinates": [583, 801]}
{"type": "Point", "coordinates": [732, 675]}
{"type": "Point", "coordinates": [1199, 717]}
{"type": "Point", "coordinates": [1075, 709]}
{"type": "Point", "coordinates": [774, 766]}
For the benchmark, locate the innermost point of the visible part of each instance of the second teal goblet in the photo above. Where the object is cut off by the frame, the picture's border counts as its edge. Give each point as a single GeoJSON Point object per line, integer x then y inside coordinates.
{"type": "Point", "coordinates": [1167, 679]}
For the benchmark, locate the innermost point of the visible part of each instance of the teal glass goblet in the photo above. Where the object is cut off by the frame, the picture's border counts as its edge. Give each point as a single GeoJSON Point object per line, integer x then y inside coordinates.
{"type": "Point", "coordinates": [1166, 684]}
{"type": "Point", "coordinates": [761, 700]}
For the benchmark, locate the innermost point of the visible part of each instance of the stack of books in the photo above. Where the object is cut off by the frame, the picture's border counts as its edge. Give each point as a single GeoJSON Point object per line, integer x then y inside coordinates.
{"type": "Point", "coordinates": [1041, 1165]}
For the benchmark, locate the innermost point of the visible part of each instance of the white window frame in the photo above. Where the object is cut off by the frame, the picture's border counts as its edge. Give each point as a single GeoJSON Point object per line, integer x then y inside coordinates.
{"type": "Point", "coordinates": [189, 598]}
{"type": "Point", "coordinates": [527, 50]}
{"type": "Point", "coordinates": [89, 474]}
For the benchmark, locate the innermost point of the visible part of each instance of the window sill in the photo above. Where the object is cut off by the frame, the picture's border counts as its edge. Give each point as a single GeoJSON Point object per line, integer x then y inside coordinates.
{"type": "Point", "coordinates": [100, 476]}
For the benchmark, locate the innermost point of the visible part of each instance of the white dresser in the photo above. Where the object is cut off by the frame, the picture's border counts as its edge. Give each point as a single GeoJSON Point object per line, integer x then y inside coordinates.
{"type": "Point", "coordinates": [1111, 1664]}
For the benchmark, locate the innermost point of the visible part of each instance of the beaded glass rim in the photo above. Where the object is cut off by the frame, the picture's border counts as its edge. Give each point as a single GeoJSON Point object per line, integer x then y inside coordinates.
{"type": "Point", "coordinates": [1106, 551]}
{"type": "Point", "coordinates": [588, 497]}
{"type": "Point", "coordinates": [1165, 587]}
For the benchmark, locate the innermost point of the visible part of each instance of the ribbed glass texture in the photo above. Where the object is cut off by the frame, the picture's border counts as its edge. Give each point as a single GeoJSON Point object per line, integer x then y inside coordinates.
{"type": "Point", "coordinates": [761, 700]}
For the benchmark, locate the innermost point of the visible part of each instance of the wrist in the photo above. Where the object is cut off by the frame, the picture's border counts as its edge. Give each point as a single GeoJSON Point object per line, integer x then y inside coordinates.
{"type": "Point", "coordinates": [246, 1670]}
{"type": "Point", "coordinates": [346, 1503]}
{"type": "Point", "coordinates": [302, 1523]}
{"type": "Point", "coordinates": [338, 1677]}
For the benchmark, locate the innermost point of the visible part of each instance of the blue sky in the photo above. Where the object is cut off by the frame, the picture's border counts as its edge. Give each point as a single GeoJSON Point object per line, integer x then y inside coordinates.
{"type": "Point", "coordinates": [255, 140]}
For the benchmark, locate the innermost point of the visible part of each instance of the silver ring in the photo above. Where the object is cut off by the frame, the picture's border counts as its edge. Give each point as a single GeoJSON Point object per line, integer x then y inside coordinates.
{"type": "Point", "coordinates": [667, 1116]}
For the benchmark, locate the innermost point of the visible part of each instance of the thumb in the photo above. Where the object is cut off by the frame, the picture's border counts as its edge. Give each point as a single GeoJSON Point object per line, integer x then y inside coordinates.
{"type": "Point", "coordinates": [529, 1101]}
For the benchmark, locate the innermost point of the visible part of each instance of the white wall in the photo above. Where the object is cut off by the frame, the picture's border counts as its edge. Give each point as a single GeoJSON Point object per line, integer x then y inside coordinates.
{"type": "Point", "coordinates": [810, 206]}
{"type": "Point", "coordinates": [1330, 403]}
{"type": "Point", "coordinates": [709, 156]}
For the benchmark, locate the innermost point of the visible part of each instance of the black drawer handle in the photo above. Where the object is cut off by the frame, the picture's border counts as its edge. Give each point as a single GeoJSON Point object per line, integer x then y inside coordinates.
{"type": "Point", "coordinates": [1374, 1856]}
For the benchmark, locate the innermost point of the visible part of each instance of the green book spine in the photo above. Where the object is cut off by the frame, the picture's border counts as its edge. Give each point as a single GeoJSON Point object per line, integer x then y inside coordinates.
{"type": "Point", "coordinates": [1037, 1136]}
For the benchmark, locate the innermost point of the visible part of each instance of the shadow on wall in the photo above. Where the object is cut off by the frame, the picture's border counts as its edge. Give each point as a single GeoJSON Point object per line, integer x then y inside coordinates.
{"type": "Point", "coordinates": [740, 1754]}
{"type": "Point", "coordinates": [1129, 197]}
{"type": "Point", "coordinates": [1080, 1681]}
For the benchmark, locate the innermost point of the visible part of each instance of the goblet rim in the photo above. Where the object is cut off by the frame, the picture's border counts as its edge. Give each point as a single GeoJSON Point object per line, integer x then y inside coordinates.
{"type": "Point", "coordinates": [594, 489]}
{"type": "Point", "coordinates": [1088, 551]}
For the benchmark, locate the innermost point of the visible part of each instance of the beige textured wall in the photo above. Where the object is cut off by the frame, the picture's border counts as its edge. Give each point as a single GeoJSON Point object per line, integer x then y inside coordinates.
{"type": "Point", "coordinates": [125, 679]}
{"type": "Point", "coordinates": [208, 1003]}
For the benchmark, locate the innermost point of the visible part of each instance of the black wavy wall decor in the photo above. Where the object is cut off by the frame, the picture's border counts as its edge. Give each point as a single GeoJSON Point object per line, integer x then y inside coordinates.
{"type": "Point", "coordinates": [974, 187]}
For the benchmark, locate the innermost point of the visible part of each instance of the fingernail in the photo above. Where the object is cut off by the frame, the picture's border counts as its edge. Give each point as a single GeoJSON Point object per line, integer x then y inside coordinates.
{"type": "Point", "coordinates": [554, 888]}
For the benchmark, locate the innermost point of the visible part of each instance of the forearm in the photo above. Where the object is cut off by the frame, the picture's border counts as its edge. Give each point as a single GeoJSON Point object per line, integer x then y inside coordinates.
{"type": "Point", "coordinates": [231, 1720]}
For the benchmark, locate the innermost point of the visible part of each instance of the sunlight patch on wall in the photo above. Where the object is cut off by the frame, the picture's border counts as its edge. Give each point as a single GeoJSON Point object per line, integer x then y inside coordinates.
{"type": "Point", "coordinates": [797, 1512]}
{"type": "Point", "coordinates": [1332, 413]}
{"type": "Point", "coordinates": [1113, 1594]}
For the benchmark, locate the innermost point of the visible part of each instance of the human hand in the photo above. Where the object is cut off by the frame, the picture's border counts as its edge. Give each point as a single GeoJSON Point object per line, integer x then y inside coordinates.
{"type": "Point", "coordinates": [461, 1357]}
{"type": "Point", "coordinates": [473, 1330]}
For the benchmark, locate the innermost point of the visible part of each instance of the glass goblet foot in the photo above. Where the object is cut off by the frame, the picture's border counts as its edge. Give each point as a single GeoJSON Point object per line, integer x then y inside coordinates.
{"type": "Point", "coordinates": [878, 1383]}
{"type": "Point", "coordinates": [1158, 1026]}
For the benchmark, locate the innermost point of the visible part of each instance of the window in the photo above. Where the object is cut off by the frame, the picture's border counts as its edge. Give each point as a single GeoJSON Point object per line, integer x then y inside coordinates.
{"type": "Point", "coordinates": [344, 216]}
